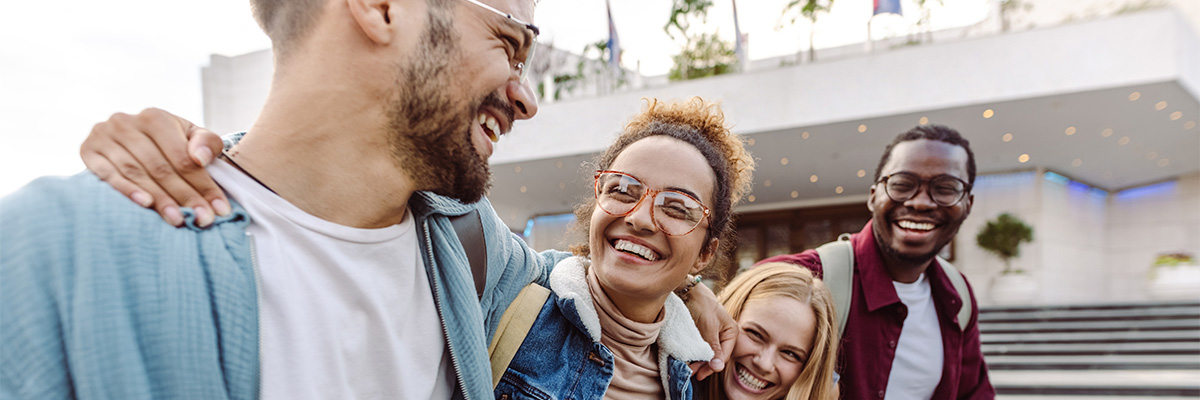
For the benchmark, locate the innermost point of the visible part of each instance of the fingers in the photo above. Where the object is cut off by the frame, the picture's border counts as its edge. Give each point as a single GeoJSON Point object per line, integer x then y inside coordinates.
{"type": "Point", "coordinates": [125, 152]}
{"type": "Point", "coordinates": [202, 147]}
{"type": "Point", "coordinates": [701, 370]}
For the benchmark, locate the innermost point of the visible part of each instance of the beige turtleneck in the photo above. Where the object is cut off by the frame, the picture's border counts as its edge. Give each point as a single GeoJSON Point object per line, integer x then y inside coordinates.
{"type": "Point", "coordinates": [635, 352]}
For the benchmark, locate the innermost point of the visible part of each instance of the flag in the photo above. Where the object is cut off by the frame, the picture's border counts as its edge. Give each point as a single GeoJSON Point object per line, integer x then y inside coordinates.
{"type": "Point", "coordinates": [739, 48]}
{"type": "Point", "coordinates": [614, 44]}
{"type": "Point", "coordinates": [887, 6]}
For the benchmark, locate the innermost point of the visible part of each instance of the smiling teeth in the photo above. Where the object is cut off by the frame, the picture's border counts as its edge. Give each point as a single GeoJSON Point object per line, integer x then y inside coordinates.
{"type": "Point", "coordinates": [631, 247]}
{"type": "Point", "coordinates": [490, 126]}
{"type": "Point", "coordinates": [749, 380]}
{"type": "Point", "coordinates": [920, 226]}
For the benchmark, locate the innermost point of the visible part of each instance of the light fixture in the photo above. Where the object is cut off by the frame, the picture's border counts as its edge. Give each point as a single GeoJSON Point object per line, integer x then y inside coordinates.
{"type": "Point", "coordinates": [924, 120]}
{"type": "Point", "coordinates": [795, 194]}
{"type": "Point", "coordinates": [1007, 137]}
{"type": "Point", "coordinates": [1076, 162]}
{"type": "Point", "coordinates": [862, 128]}
{"type": "Point", "coordinates": [523, 189]}
{"type": "Point", "coordinates": [862, 173]}
{"type": "Point", "coordinates": [1189, 125]}
{"type": "Point", "coordinates": [783, 161]}
{"type": "Point", "coordinates": [767, 183]}
{"type": "Point", "coordinates": [812, 179]}
{"type": "Point", "coordinates": [751, 198]}
{"type": "Point", "coordinates": [1124, 140]}
{"type": "Point", "coordinates": [839, 189]}
{"type": "Point", "coordinates": [558, 164]}
{"type": "Point", "coordinates": [517, 169]}
{"type": "Point", "coordinates": [1160, 105]}
{"type": "Point", "coordinates": [1106, 132]}
{"type": "Point", "coordinates": [750, 142]}
{"type": "Point", "coordinates": [804, 135]}
{"type": "Point", "coordinates": [988, 113]}
{"type": "Point", "coordinates": [1134, 96]}
{"type": "Point", "coordinates": [1151, 155]}
{"type": "Point", "coordinates": [1175, 116]}
{"type": "Point", "coordinates": [1070, 131]}
{"type": "Point", "coordinates": [1023, 158]}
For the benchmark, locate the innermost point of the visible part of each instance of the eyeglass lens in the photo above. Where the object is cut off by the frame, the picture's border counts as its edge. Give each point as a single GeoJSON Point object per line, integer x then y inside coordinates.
{"type": "Point", "coordinates": [675, 213]}
{"type": "Point", "coordinates": [944, 190]}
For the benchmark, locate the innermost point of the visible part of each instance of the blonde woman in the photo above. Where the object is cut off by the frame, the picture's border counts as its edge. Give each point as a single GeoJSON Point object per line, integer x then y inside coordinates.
{"type": "Point", "coordinates": [787, 348]}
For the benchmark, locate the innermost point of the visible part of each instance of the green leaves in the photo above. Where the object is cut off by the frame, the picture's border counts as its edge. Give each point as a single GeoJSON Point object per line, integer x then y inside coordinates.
{"type": "Point", "coordinates": [1003, 237]}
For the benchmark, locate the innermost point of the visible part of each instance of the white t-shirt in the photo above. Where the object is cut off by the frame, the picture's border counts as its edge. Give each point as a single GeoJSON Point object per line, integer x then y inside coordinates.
{"type": "Point", "coordinates": [917, 368]}
{"type": "Point", "coordinates": [345, 313]}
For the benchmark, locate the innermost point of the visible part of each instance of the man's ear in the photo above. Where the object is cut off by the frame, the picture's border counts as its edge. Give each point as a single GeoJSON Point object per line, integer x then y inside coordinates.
{"type": "Point", "coordinates": [871, 199]}
{"type": "Point", "coordinates": [374, 18]}
{"type": "Point", "coordinates": [708, 254]}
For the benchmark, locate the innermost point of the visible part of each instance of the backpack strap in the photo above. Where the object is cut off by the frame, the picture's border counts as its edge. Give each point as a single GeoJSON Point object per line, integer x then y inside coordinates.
{"type": "Point", "coordinates": [837, 271]}
{"type": "Point", "coordinates": [469, 228]}
{"type": "Point", "coordinates": [514, 326]}
{"type": "Point", "coordinates": [964, 293]}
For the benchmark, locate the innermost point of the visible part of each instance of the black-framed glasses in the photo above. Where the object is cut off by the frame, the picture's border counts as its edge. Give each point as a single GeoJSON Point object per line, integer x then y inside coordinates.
{"type": "Point", "coordinates": [945, 190]}
{"type": "Point", "coordinates": [519, 61]}
{"type": "Point", "coordinates": [674, 212]}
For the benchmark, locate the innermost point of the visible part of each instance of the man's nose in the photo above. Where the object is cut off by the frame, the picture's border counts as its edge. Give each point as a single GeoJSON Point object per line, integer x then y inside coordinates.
{"type": "Point", "coordinates": [921, 200]}
{"type": "Point", "coordinates": [524, 101]}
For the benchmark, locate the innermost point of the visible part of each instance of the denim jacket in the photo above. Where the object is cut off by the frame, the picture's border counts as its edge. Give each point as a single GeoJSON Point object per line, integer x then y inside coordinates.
{"type": "Point", "coordinates": [104, 300]}
{"type": "Point", "coordinates": [562, 356]}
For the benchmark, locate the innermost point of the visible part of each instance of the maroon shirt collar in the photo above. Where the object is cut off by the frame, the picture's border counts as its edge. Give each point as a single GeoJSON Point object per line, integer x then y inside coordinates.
{"type": "Point", "coordinates": [877, 282]}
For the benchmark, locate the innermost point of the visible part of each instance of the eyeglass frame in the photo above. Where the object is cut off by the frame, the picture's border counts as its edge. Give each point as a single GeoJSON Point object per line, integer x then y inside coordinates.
{"type": "Point", "coordinates": [927, 183]}
{"type": "Point", "coordinates": [532, 44]}
{"type": "Point", "coordinates": [651, 193]}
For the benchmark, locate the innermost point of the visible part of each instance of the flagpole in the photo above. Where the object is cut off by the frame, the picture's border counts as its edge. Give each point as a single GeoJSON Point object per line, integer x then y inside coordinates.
{"type": "Point", "coordinates": [739, 48]}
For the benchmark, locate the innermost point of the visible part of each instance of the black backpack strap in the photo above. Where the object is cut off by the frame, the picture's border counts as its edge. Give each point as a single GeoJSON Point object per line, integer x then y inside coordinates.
{"type": "Point", "coordinates": [469, 229]}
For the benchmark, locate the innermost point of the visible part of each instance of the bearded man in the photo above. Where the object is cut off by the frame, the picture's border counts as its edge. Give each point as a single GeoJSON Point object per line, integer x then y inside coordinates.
{"type": "Point", "coordinates": [334, 271]}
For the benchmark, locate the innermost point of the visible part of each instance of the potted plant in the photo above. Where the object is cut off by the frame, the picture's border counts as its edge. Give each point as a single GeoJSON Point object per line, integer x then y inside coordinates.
{"type": "Point", "coordinates": [1003, 237]}
{"type": "Point", "coordinates": [1174, 276]}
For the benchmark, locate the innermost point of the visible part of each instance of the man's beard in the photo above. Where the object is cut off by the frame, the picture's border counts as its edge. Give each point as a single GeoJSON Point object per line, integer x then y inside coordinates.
{"type": "Point", "coordinates": [431, 128]}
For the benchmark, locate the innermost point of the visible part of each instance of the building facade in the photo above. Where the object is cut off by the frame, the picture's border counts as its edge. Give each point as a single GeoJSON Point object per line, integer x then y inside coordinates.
{"type": "Point", "coordinates": [1087, 131]}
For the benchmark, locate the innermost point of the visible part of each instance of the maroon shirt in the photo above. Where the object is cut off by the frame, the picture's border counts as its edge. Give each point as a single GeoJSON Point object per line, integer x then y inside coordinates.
{"type": "Point", "coordinates": [877, 316]}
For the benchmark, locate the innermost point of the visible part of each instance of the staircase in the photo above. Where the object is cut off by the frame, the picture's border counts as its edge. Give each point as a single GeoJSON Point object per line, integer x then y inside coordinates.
{"type": "Point", "coordinates": [1104, 351]}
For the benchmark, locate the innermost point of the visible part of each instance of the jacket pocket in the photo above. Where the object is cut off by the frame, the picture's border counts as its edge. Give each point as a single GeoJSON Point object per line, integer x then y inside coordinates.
{"type": "Point", "coordinates": [515, 386]}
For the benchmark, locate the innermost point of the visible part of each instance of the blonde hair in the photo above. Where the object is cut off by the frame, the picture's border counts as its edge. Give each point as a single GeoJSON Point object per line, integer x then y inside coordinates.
{"type": "Point", "coordinates": [701, 124]}
{"type": "Point", "coordinates": [779, 279]}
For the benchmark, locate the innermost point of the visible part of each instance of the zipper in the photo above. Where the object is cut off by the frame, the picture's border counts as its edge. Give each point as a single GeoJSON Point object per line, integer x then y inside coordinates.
{"type": "Point", "coordinates": [258, 302]}
{"type": "Point", "coordinates": [437, 301]}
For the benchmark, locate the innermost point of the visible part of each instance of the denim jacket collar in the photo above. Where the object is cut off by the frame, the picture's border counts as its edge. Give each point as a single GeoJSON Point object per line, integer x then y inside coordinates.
{"type": "Point", "coordinates": [678, 338]}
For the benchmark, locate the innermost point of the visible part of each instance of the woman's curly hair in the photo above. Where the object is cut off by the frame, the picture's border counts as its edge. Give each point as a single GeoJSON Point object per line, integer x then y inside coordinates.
{"type": "Point", "coordinates": [701, 124]}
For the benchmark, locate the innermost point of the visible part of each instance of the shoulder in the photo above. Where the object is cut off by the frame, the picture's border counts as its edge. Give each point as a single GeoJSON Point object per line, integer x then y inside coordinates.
{"type": "Point", "coordinates": [81, 199]}
{"type": "Point", "coordinates": [808, 259]}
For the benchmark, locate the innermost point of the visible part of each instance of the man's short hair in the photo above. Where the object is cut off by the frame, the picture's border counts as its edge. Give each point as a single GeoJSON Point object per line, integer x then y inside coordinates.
{"type": "Point", "coordinates": [931, 132]}
{"type": "Point", "coordinates": [285, 21]}
{"type": "Point", "coordinates": [288, 21]}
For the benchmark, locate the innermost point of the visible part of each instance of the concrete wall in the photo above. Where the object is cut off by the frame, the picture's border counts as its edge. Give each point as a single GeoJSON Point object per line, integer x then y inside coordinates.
{"type": "Point", "coordinates": [1089, 246]}
{"type": "Point", "coordinates": [1145, 222]}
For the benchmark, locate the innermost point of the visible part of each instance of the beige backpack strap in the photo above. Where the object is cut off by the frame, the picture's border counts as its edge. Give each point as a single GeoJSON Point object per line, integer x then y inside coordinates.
{"type": "Point", "coordinates": [837, 271]}
{"type": "Point", "coordinates": [960, 286]}
{"type": "Point", "coordinates": [514, 326]}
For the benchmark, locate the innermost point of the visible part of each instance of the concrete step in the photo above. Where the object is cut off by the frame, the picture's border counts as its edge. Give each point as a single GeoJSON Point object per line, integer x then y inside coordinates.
{"type": "Point", "coordinates": [1092, 362]}
{"type": "Point", "coordinates": [1081, 326]}
{"type": "Point", "coordinates": [1147, 348]}
{"type": "Point", "coordinates": [1092, 337]}
{"type": "Point", "coordinates": [1181, 383]}
{"type": "Point", "coordinates": [1067, 396]}
{"type": "Point", "coordinates": [1191, 312]}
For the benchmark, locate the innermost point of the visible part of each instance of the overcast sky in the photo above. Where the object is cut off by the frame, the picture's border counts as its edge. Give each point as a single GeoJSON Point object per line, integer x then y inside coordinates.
{"type": "Point", "coordinates": [66, 65]}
